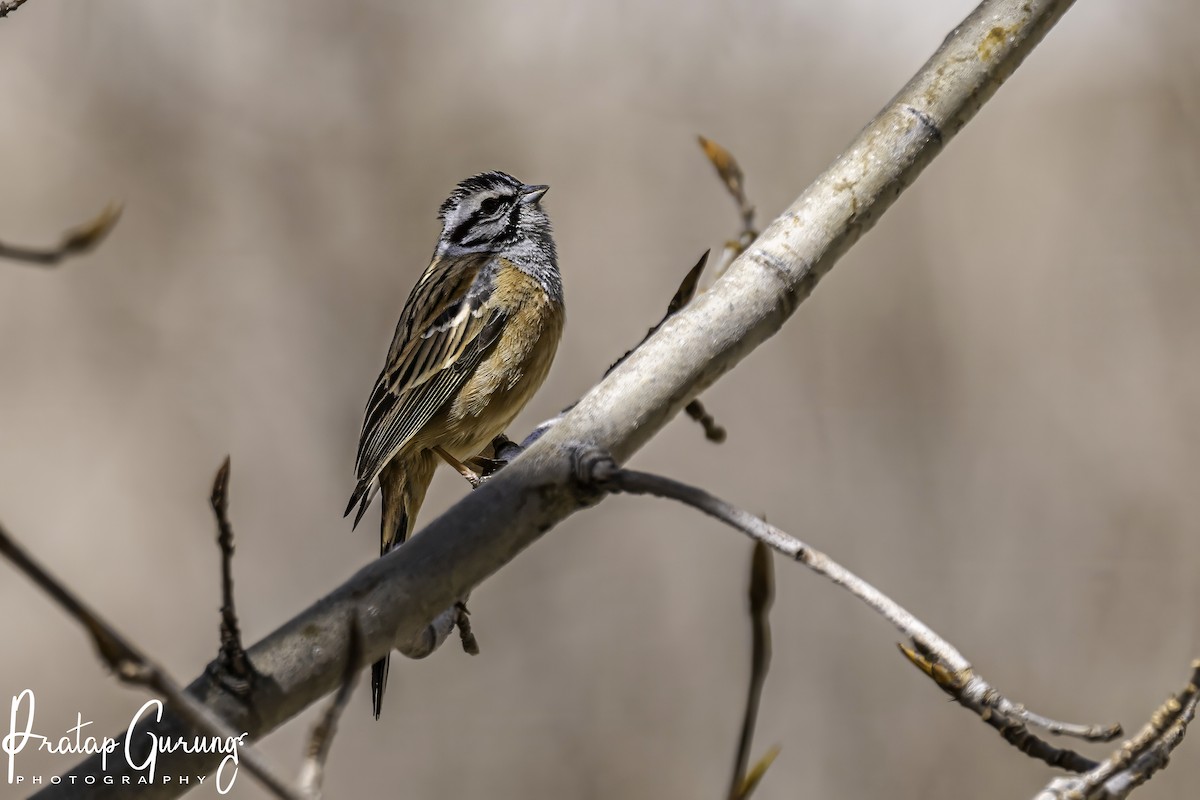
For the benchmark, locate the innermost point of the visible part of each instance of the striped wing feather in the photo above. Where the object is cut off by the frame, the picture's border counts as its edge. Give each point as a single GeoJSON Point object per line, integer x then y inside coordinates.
{"type": "Point", "coordinates": [444, 331]}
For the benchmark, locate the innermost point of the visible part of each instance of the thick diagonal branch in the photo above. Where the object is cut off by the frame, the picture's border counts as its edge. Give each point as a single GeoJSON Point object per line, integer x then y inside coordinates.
{"type": "Point", "coordinates": [398, 595]}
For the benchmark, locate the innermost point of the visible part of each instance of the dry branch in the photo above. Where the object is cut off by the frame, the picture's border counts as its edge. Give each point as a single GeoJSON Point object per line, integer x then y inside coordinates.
{"type": "Point", "coordinates": [398, 595]}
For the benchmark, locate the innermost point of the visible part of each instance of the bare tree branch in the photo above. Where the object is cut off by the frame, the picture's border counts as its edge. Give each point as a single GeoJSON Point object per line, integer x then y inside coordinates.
{"type": "Point", "coordinates": [75, 241]}
{"type": "Point", "coordinates": [398, 595]}
{"type": "Point", "coordinates": [133, 667]}
{"type": "Point", "coordinates": [949, 669]}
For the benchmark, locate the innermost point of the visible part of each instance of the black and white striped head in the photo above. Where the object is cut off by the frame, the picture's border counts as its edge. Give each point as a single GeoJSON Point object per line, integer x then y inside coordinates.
{"type": "Point", "coordinates": [493, 212]}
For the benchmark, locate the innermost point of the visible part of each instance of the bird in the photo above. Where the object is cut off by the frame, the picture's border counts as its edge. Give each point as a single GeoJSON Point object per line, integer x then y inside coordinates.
{"type": "Point", "coordinates": [474, 342]}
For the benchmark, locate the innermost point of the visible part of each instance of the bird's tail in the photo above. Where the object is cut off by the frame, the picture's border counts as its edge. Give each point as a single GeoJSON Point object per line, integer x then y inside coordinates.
{"type": "Point", "coordinates": [364, 493]}
{"type": "Point", "coordinates": [379, 670]}
{"type": "Point", "coordinates": [403, 488]}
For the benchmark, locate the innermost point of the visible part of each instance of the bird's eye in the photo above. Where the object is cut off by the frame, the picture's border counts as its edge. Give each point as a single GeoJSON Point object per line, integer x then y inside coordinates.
{"type": "Point", "coordinates": [490, 205]}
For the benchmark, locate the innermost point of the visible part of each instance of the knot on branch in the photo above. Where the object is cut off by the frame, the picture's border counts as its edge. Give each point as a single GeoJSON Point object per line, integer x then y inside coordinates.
{"type": "Point", "coordinates": [593, 470]}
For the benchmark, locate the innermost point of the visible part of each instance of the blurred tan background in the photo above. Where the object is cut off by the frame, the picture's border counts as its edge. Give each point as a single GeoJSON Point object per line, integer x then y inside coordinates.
{"type": "Point", "coordinates": [991, 407]}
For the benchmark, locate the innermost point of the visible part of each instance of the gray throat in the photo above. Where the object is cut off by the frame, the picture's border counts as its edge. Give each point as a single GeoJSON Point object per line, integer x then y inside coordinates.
{"type": "Point", "coordinates": [538, 260]}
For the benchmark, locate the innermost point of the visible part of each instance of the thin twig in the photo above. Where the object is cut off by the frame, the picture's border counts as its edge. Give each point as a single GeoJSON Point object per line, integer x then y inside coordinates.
{"type": "Point", "coordinates": [937, 657]}
{"type": "Point", "coordinates": [762, 594]}
{"type": "Point", "coordinates": [1139, 758]}
{"type": "Point", "coordinates": [133, 667]}
{"type": "Point", "coordinates": [312, 773]}
{"type": "Point", "coordinates": [75, 241]}
{"type": "Point", "coordinates": [235, 669]}
{"type": "Point", "coordinates": [730, 172]}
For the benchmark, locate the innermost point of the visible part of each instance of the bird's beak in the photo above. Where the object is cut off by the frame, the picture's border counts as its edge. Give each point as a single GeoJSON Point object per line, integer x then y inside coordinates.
{"type": "Point", "coordinates": [531, 194]}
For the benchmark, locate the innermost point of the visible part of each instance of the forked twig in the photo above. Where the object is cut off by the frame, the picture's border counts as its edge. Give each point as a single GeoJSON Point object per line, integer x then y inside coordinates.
{"type": "Point", "coordinates": [936, 657]}
{"type": "Point", "coordinates": [75, 241]}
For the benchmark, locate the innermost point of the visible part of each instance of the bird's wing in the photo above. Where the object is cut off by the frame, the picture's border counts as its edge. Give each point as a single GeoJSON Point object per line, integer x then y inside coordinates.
{"type": "Point", "coordinates": [447, 325]}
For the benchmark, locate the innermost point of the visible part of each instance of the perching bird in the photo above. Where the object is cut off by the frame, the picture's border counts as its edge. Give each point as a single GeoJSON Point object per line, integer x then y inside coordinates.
{"type": "Point", "coordinates": [474, 342]}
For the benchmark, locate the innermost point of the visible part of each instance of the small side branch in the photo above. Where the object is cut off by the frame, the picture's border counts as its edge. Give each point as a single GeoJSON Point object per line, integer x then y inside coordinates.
{"type": "Point", "coordinates": [133, 667]}
{"type": "Point", "coordinates": [730, 173]}
{"type": "Point", "coordinates": [933, 654]}
{"type": "Point", "coordinates": [75, 241]}
{"type": "Point", "coordinates": [235, 670]}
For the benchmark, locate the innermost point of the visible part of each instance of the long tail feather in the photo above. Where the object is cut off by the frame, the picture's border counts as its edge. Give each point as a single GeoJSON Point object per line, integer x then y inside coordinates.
{"type": "Point", "coordinates": [364, 493]}
{"type": "Point", "coordinates": [360, 491]}
{"type": "Point", "coordinates": [389, 540]}
{"type": "Point", "coordinates": [402, 485]}
{"type": "Point", "coordinates": [379, 673]}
